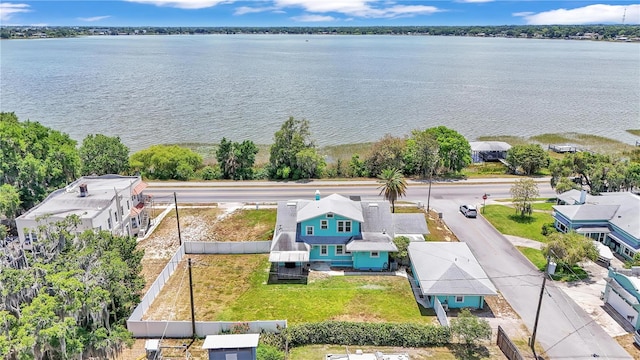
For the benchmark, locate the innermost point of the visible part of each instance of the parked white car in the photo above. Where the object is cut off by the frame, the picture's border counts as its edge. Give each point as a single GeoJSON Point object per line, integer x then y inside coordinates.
{"type": "Point", "coordinates": [469, 211]}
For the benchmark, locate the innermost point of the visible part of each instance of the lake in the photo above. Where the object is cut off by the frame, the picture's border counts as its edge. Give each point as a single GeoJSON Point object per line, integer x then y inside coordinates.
{"type": "Point", "coordinates": [177, 89]}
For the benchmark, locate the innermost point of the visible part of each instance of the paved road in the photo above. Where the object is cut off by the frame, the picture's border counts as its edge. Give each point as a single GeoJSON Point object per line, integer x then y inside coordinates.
{"type": "Point", "coordinates": [565, 330]}
{"type": "Point", "coordinates": [207, 192]}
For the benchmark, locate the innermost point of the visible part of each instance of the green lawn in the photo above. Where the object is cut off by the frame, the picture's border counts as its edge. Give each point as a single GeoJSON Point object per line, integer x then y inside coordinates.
{"type": "Point", "coordinates": [535, 256]}
{"type": "Point", "coordinates": [505, 220]}
{"type": "Point", "coordinates": [562, 274]}
{"type": "Point", "coordinates": [347, 298]}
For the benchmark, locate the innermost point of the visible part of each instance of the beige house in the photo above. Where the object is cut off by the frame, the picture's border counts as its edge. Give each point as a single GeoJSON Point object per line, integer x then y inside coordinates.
{"type": "Point", "coordinates": [110, 202]}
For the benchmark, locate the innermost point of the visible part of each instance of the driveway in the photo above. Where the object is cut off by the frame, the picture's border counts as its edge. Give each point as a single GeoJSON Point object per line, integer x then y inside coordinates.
{"type": "Point", "coordinates": [565, 330]}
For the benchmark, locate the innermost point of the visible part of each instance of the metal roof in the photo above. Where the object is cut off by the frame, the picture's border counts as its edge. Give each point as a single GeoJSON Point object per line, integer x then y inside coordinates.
{"type": "Point", "coordinates": [480, 146]}
{"type": "Point", "coordinates": [448, 268]}
{"type": "Point", "coordinates": [232, 341]}
{"type": "Point", "coordinates": [621, 209]}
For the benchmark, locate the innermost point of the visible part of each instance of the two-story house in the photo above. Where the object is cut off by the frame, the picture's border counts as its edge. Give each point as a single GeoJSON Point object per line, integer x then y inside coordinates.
{"type": "Point", "coordinates": [340, 232]}
{"type": "Point", "coordinates": [610, 218]}
{"type": "Point", "coordinates": [110, 202]}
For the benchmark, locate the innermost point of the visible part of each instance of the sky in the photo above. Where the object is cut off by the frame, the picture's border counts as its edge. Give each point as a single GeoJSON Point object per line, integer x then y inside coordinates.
{"type": "Point", "coordinates": [334, 13]}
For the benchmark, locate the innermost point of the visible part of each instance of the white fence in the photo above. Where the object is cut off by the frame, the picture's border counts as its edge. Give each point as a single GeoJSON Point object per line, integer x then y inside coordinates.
{"type": "Point", "coordinates": [242, 247]}
{"type": "Point", "coordinates": [440, 313]}
{"type": "Point", "coordinates": [183, 329]}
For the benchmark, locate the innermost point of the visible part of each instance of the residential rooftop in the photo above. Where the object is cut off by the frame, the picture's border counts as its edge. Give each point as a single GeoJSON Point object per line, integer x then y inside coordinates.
{"type": "Point", "coordinates": [100, 193]}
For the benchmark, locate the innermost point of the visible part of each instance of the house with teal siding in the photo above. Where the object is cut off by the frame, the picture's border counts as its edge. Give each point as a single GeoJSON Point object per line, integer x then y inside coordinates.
{"type": "Point", "coordinates": [622, 293]}
{"type": "Point", "coordinates": [449, 272]}
{"type": "Point", "coordinates": [339, 231]}
{"type": "Point", "coordinates": [611, 218]}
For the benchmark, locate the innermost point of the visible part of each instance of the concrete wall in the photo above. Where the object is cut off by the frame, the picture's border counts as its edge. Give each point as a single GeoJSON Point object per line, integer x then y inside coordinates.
{"type": "Point", "coordinates": [243, 247]}
{"type": "Point", "coordinates": [183, 329]}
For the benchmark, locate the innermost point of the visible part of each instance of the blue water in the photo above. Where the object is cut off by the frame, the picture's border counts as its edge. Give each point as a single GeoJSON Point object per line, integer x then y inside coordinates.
{"type": "Point", "coordinates": [173, 89]}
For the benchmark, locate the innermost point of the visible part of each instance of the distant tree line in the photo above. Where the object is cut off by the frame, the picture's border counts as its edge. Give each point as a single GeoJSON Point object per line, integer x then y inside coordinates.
{"type": "Point", "coordinates": [35, 160]}
{"type": "Point", "coordinates": [605, 32]}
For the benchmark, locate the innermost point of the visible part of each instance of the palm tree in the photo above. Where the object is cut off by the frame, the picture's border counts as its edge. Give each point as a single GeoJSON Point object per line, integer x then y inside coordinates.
{"type": "Point", "coordinates": [393, 186]}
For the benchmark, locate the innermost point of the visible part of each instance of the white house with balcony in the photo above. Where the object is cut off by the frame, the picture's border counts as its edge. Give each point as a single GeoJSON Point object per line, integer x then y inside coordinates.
{"type": "Point", "coordinates": [109, 202]}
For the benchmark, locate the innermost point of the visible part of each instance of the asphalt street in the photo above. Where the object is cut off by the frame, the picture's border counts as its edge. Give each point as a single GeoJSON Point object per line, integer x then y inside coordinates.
{"type": "Point", "coordinates": [565, 331]}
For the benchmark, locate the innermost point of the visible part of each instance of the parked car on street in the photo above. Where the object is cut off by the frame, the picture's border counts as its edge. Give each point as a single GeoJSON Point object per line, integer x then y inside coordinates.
{"type": "Point", "coordinates": [469, 211]}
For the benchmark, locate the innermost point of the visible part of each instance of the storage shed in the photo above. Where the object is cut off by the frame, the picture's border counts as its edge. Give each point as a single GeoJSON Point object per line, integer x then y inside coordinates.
{"type": "Point", "coordinates": [231, 347]}
{"type": "Point", "coordinates": [482, 151]}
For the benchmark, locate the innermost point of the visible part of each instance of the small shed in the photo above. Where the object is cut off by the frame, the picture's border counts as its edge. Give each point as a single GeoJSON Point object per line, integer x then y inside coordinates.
{"type": "Point", "coordinates": [482, 151]}
{"type": "Point", "coordinates": [231, 347]}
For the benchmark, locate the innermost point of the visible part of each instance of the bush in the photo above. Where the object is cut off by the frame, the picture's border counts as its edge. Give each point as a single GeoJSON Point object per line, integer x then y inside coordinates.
{"type": "Point", "coordinates": [210, 173]}
{"type": "Point", "coordinates": [268, 352]}
{"type": "Point", "coordinates": [548, 229]}
{"type": "Point", "coordinates": [376, 334]}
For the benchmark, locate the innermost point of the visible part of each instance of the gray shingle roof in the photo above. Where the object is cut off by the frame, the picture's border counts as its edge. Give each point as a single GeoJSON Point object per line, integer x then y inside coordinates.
{"type": "Point", "coordinates": [333, 203]}
{"type": "Point", "coordinates": [373, 242]}
{"type": "Point", "coordinates": [448, 268]}
{"type": "Point", "coordinates": [409, 224]}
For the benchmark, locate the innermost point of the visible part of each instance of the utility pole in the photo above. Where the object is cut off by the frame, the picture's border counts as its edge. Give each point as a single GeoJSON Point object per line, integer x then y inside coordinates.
{"type": "Point", "coordinates": [175, 201]}
{"type": "Point", "coordinates": [535, 323]}
{"type": "Point", "coordinates": [429, 194]}
{"type": "Point", "coordinates": [193, 316]}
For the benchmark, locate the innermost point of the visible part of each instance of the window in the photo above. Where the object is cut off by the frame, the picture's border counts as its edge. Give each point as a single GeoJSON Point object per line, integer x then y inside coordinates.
{"type": "Point", "coordinates": [339, 249]}
{"type": "Point", "coordinates": [324, 224]}
{"type": "Point", "coordinates": [324, 251]}
{"type": "Point", "coordinates": [128, 208]}
{"type": "Point", "coordinates": [375, 254]}
{"type": "Point", "coordinates": [459, 299]}
{"type": "Point", "coordinates": [109, 223]}
{"type": "Point", "coordinates": [329, 215]}
{"type": "Point", "coordinates": [344, 226]}
{"type": "Point", "coordinates": [115, 216]}
{"type": "Point", "coordinates": [134, 223]}
{"type": "Point", "coordinates": [310, 230]}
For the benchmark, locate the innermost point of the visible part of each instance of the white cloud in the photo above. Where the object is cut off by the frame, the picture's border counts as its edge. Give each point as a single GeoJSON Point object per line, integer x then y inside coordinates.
{"type": "Point", "coordinates": [94, 18]}
{"type": "Point", "coordinates": [252, 10]}
{"type": "Point", "coordinates": [7, 10]}
{"type": "Point", "coordinates": [592, 14]}
{"type": "Point", "coordinates": [184, 4]}
{"type": "Point", "coordinates": [523, 14]}
{"type": "Point", "coordinates": [313, 18]}
{"type": "Point", "coordinates": [359, 8]}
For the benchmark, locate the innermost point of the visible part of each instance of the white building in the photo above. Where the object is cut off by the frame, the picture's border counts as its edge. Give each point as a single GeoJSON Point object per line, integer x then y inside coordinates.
{"type": "Point", "coordinates": [94, 200]}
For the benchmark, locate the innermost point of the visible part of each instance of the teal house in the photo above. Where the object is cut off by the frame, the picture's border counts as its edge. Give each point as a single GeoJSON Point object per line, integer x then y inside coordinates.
{"type": "Point", "coordinates": [622, 292]}
{"type": "Point", "coordinates": [449, 272]}
{"type": "Point", "coordinates": [611, 218]}
{"type": "Point", "coordinates": [339, 231]}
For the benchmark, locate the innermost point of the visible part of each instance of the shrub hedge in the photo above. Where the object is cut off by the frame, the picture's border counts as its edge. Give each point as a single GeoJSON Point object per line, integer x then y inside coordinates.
{"type": "Point", "coordinates": [377, 334]}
